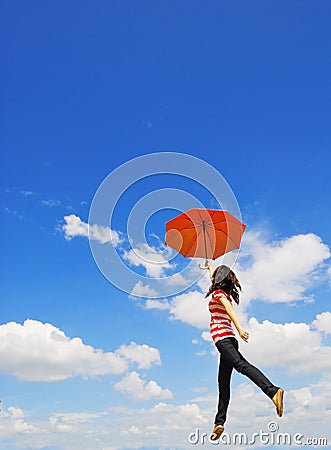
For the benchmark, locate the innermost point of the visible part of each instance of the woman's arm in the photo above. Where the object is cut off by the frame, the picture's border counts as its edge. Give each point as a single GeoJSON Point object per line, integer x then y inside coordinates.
{"type": "Point", "coordinates": [209, 267]}
{"type": "Point", "coordinates": [233, 315]}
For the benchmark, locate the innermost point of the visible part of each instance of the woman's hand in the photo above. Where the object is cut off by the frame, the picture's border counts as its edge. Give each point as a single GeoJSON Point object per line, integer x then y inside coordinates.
{"type": "Point", "coordinates": [243, 334]}
{"type": "Point", "coordinates": [210, 269]}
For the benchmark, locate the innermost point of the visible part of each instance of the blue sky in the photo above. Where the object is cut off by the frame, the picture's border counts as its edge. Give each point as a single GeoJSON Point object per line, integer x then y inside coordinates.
{"type": "Point", "coordinates": [86, 88]}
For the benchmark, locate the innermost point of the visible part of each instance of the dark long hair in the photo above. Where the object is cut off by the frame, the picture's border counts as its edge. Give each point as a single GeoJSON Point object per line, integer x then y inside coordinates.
{"type": "Point", "coordinates": [226, 280]}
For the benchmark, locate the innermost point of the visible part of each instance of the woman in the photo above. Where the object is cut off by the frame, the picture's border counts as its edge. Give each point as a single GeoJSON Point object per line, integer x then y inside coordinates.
{"type": "Point", "coordinates": [225, 289]}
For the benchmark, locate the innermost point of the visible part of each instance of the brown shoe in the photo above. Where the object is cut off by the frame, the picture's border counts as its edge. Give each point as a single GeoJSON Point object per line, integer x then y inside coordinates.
{"type": "Point", "coordinates": [217, 431]}
{"type": "Point", "coordinates": [278, 401]}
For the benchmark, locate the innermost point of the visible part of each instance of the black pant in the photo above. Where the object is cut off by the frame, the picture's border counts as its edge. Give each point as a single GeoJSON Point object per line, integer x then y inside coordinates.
{"type": "Point", "coordinates": [231, 358]}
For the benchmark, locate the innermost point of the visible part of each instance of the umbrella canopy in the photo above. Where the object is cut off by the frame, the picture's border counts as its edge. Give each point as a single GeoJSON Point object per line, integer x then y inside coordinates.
{"type": "Point", "coordinates": [204, 233]}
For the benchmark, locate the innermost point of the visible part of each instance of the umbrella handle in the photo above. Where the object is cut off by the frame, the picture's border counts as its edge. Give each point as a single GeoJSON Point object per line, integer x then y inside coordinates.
{"type": "Point", "coordinates": [205, 266]}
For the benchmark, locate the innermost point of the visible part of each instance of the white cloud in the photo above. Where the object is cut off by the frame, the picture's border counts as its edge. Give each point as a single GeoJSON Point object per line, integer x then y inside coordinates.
{"type": "Point", "coordinates": [148, 257]}
{"type": "Point", "coordinates": [150, 296]}
{"type": "Point", "coordinates": [74, 226]}
{"type": "Point", "coordinates": [144, 355]}
{"type": "Point", "coordinates": [296, 347]}
{"type": "Point", "coordinates": [26, 193]}
{"type": "Point", "coordinates": [16, 422]}
{"type": "Point", "coordinates": [204, 282]}
{"type": "Point", "coordinates": [307, 411]}
{"type": "Point", "coordinates": [138, 389]}
{"type": "Point", "coordinates": [329, 273]}
{"type": "Point", "coordinates": [51, 203]}
{"type": "Point", "coordinates": [179, 280]}
{"type": "Point", "coordinates": [38, 351]}
{"type": "Point", "coordinates": [280, 271]}
{"type": "Point", "coordinates": [206, 336]}
{"type": "Point", "coordinates": [143, 290]}
{"type": "Point", "coordinates": [191, 308]}
{"type": "Point", "coordinates": [157, 304]}
{"type": "Point", "coordinates": [169, 424]}
{"type": "Point", "coordinates": [323, 322]}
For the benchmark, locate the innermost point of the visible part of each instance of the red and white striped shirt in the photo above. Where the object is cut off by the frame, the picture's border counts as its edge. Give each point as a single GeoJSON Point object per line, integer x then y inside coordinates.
{"type": "Point", "coordinates": [220, 321]}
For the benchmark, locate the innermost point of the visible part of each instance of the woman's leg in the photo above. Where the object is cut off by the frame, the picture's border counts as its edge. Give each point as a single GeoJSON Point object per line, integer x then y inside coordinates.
{"type": "Point", "coordinates": [229, 350]}
{"type": "Point", "coordinates": [224, 378]}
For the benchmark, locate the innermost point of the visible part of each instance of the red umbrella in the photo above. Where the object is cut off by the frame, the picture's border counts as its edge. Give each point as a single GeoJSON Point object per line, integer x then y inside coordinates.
{"type": "Point", "coordinates": [204, 233]}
